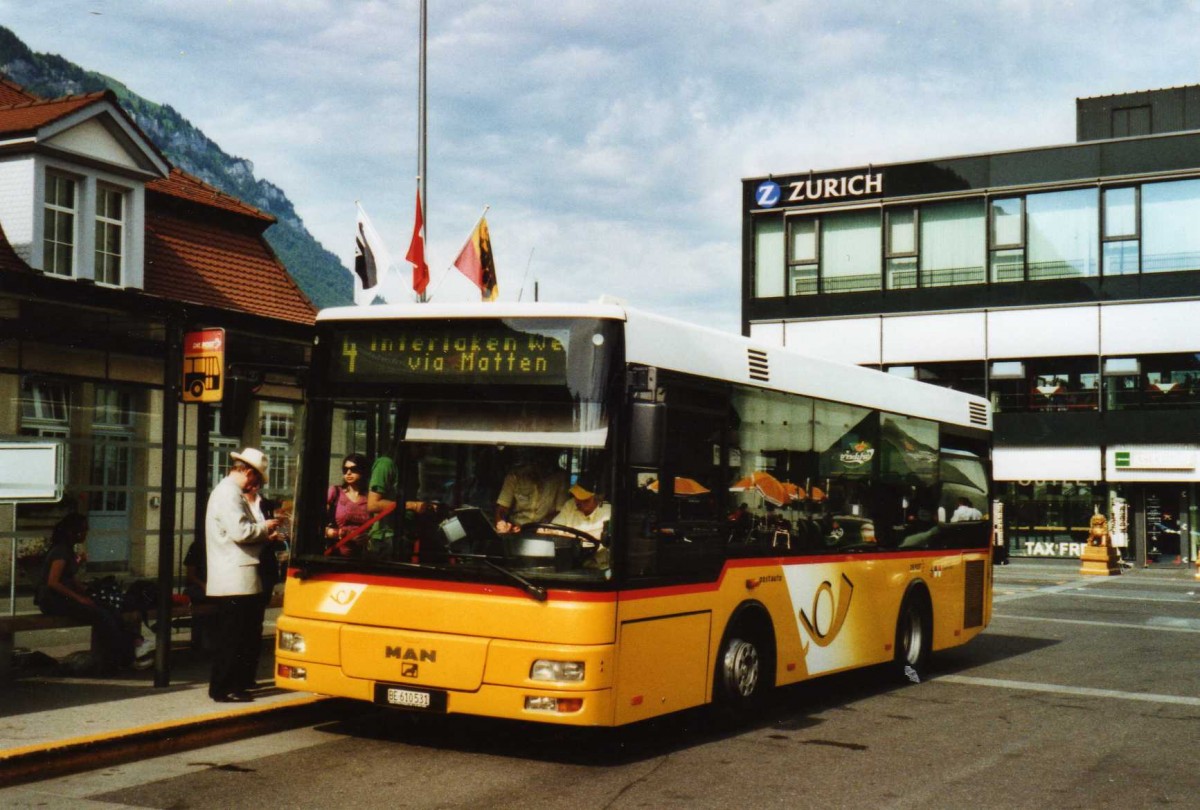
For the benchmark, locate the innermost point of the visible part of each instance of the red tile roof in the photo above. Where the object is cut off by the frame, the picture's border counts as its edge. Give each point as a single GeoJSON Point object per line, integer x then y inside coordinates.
{"type": "Point", "coordinates": [29, 116]}
{"type": "Point", "coordinates": [218, 261]}
{"type": "Point", "coordinates": [188, 187]}
{"type": "Point", "coordinates": [202, 246]}
{"type": "Point", "coordinates": [13, 93]}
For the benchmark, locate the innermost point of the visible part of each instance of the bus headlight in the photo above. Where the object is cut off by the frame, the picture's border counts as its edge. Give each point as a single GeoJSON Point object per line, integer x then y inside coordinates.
{"type": "Point", "coordinates": [291, 642]}
{"type": "Point", "coordinates": [546, 670]}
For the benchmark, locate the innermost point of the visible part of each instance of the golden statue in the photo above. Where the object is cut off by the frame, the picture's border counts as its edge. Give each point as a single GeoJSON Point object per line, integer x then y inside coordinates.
{"type": "Point", "coordinates": [1099, 557]}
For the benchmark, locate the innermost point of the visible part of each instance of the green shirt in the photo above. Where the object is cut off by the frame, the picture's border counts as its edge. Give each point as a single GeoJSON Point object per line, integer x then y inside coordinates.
{"type": "Point", "coordinates": [385, 480]}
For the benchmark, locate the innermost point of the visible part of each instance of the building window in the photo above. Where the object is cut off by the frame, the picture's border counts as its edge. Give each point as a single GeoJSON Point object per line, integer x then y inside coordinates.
{"type": "Point", "coordinates": [1007, 217]}
{"type": "Point", "coordinates": [1120, 241]}
{"type": "Point", "coordinates": [219, 447]}
{"type": "Point", "coordinates": [803, 243]}
{"type": "Point", "coordinates": [1048, 518]}
{"type": "Point", "coordinates": [768, 257]}
{"type": "Point", "coordinates": [44, 403]}
{"type": "Point", "coordinates": [277, 425]}
{"type": "Point", "coordinates": [112, 450]}
{"type": "Point", "coordinates": [901, 249]}
{"type": "Point", "coordinates": [1170, 238]}
{"type": "Point", "coordinates": [1128, 122]}
{"type": "Point", "coordinates": [968, 376]}
{"type": "Point", "coordinates": [1062, 234]}
{"type": "Point", "coordinates": [1158, 381]}
{"type": "Point", "coordinates": [952, 243]}
{"type": "Point", "coordinates": [1045, 384]}
{"type": "Point", "coordinates": [110, 229]}
{"type": "Point", "coordinates": [58, 229]}
{"type": "Point", "coordinates": [850, 252]}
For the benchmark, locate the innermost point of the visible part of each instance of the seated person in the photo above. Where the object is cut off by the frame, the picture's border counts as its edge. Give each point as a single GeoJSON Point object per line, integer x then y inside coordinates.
{"type": "Point", "coordinates": [965, 511]}
{"type": "Point", "coordinates": [195, 575]}
{"type": "Point", "coordinates": [60, 592]}
{"type": "Point", "coordinates": [741, 521]}
{"type": "Point", "coordinates": [586, 512]}
{"type": "Point", "coordinates": [532, 492]}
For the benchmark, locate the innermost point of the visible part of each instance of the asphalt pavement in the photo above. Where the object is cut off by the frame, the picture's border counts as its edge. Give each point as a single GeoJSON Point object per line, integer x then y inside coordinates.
{"type": "Point", "coordinates": [53, 722]}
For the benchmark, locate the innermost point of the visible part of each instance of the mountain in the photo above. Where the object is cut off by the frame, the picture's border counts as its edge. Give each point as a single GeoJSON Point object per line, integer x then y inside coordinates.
{"type": "Point", "coordinates": [318, 272]}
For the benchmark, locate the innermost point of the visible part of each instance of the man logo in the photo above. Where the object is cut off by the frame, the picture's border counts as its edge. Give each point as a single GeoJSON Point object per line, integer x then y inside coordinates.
{"type": "Point", "coordinates": [408, 671]}
{"type": "Point", "coordinates": [824, 637]}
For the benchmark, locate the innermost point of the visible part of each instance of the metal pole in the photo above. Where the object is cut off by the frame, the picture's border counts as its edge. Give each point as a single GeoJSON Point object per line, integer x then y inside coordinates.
{"type": "Point", "coordinates": [421, 122]}
{"type": "Point", "coordinates": [172, 384]}
{"type": "Point", "coordinates": [12, 574]}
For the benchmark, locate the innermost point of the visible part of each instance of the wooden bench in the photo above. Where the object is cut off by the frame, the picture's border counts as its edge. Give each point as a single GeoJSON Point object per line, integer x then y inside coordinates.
{"type": "Point", "coordinates": [31, 622]}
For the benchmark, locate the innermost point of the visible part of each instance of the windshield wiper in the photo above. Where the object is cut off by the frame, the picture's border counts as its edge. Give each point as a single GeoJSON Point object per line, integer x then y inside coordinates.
{"type": "Point", "coordinates": [536, 591]}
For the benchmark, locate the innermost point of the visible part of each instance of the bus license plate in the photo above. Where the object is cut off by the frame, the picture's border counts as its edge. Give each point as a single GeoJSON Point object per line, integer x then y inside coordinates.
{"type": "Point", "coordinates": [408, 698]}
{"type": "Point", "coordinates": [399, 695]}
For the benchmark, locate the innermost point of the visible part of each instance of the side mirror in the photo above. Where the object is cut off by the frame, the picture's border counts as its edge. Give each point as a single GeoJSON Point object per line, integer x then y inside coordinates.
{"type": "Point", "coordinates": [647, 434]}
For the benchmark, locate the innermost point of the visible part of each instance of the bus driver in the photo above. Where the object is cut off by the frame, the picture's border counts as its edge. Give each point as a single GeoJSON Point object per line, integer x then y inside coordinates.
{"type": "Point", "coordinates": [586, 511]}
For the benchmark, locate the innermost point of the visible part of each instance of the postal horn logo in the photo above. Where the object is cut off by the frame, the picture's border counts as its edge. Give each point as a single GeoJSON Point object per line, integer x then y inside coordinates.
{"type": "Point", "coordinates": [823, 630]}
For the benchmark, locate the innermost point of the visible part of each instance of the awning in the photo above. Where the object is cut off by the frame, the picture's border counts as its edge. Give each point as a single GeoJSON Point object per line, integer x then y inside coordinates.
{"type": "Point", "coordinates": [1047, 464]}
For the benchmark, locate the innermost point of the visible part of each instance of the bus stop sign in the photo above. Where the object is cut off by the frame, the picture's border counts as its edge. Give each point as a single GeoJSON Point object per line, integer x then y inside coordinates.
{"type": "Point", "coordinates": [204, 365]}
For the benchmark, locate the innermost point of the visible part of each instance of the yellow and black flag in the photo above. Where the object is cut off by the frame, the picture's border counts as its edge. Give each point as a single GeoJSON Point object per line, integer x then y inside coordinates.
{"type": "Point", "coordinates": [475, 261]}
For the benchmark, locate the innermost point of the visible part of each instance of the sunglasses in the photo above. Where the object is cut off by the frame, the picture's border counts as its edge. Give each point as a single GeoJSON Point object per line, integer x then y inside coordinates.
{"type": "Point", "coordinates": [351, 470]}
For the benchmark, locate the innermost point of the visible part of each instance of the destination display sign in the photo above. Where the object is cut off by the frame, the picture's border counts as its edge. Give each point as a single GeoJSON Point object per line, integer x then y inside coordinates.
{"type": "Point", "coordinates": [470, 352]}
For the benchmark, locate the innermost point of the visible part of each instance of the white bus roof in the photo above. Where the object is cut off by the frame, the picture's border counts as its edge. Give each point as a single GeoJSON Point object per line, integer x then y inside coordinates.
{"type": "Point", "coordinates": [668, 343]}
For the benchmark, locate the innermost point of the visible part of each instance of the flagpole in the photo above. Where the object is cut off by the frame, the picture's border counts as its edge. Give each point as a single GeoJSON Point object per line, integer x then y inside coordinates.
{"type": "Point", "coordinates": [421, 122]}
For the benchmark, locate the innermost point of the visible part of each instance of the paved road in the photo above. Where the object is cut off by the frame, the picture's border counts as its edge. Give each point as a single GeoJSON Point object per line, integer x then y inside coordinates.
{"type": "Point", "coordinates": [1083, 693]}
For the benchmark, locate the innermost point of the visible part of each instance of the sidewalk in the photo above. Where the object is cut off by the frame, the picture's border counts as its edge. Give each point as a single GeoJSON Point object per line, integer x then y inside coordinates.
{"type": "Point", "coordinates": [45, 715]}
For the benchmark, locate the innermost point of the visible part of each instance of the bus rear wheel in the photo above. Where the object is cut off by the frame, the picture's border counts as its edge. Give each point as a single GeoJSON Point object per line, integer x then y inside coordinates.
{"type": "Point", "coordinates": [914, 639]}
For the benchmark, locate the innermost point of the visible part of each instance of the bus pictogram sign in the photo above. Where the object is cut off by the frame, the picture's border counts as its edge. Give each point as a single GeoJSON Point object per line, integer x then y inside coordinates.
{"type": "Point", "coordinates": [203, 365]}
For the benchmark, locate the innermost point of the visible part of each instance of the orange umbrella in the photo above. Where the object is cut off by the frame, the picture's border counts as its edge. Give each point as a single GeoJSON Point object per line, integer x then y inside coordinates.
{"type": "Point", "coordinates": [795, 492]}
{"type": "Point", "coordinates": [684, 487]}
{"type": "Point", "coordinates": [765, 484]}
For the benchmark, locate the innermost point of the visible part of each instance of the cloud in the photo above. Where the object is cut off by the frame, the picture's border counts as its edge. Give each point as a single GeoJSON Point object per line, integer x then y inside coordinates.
{"type": "Point", "coordinates": [610, 141]}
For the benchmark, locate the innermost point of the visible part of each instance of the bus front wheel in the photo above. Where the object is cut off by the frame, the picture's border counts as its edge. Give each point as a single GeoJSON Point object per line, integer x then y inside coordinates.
{"type": "Point", "coordinates": [914, 638]}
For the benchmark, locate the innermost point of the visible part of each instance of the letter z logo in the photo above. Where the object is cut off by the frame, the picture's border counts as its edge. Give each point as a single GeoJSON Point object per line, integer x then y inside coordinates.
{"type": "Point", "coordinates": [767, 194]}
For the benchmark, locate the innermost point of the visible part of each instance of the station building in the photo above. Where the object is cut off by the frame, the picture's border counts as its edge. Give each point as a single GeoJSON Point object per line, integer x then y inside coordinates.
{"type": "Point", "coordinates": [109, 256]}
{"type": "Point", "coordinates": [1060, 282]}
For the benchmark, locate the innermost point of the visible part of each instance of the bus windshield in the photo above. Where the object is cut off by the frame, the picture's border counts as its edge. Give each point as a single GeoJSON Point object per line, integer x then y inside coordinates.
{"type": "Point", "coordinates": [493, 463]}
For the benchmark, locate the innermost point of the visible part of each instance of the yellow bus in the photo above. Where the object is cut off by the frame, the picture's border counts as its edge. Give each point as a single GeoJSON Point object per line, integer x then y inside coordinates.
{"type": "Point", "coordinates": [753, 516]}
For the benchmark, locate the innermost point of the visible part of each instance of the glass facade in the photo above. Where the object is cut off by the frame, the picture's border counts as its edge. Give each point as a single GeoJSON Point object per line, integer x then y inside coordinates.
{"type": "Point", "coordinates": [1039, 236]}
{"type": "Point", "coordinates": [1092, 224]}
{"type": "Point", "coordinates": [112, 438]}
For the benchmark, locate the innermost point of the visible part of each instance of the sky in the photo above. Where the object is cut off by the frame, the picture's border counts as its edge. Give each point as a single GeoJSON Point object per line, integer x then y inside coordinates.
{"type": "Point", "coordinates": [609, 138]}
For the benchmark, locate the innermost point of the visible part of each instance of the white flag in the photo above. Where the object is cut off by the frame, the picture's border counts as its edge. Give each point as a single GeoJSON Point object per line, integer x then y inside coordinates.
{"type": "Point", "coordinates": [371, 258]}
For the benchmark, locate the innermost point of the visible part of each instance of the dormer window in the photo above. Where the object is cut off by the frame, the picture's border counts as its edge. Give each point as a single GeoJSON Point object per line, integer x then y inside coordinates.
{"type": "Point", "coordinates": [59, 230]}
{"type": "Point", "coordinates": [110, 229]}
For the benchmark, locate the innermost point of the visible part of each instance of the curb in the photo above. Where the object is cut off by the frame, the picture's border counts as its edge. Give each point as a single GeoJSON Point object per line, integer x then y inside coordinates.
{"type": "Point", "coordinates": [62, 757]}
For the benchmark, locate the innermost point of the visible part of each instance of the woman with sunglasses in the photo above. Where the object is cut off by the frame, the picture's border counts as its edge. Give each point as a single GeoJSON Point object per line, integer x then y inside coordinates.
{"type": "Point", "coordinates": [346, 505]}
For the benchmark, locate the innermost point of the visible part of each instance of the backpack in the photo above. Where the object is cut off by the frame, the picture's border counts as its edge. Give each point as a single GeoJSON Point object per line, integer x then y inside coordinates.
{"type": "Point", "coordinates": [106, 592]}
{"type": "Point", "coordinates": [141, 596]}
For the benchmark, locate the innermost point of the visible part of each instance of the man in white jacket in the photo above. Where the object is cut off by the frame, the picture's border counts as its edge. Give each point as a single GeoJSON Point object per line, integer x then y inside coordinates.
{"type": "Point", "coordinates": [233, 539]}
